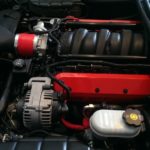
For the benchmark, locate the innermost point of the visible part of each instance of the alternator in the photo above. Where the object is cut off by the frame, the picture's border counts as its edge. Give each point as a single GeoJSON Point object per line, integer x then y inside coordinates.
{"type": "Point", "coordinates": [39, 103]}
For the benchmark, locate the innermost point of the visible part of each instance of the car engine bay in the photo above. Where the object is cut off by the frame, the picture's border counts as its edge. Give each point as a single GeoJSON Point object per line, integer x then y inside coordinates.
{"type": "Point", "coordinates": [78, 68]}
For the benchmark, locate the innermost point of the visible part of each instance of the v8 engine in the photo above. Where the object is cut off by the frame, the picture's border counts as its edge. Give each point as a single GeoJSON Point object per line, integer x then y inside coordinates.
{"type": "Point", "coordinates": [67, 71]}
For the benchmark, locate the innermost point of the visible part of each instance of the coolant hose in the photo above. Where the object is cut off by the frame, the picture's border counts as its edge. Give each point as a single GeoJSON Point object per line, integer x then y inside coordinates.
{"type": "Point", "coordinates": [76, 127]}
{"type": "Point", "coordinates": [4, 98]}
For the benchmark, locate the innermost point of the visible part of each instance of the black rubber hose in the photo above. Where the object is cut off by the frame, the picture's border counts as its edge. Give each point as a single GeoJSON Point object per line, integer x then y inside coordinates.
{"type": "Point", "coordinates": [4, 98]}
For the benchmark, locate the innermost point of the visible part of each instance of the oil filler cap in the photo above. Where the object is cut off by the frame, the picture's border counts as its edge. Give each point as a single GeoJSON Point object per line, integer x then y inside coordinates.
{"type": "Point", "coordinates": [133, 117]}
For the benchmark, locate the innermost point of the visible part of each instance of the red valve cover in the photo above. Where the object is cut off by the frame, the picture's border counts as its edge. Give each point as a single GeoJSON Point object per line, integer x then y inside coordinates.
{"type": "Point", "coordinates": [105, 87]}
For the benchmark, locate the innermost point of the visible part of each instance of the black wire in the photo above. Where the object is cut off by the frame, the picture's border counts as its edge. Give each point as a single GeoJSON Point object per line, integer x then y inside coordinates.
{"type": "Point", "coordinates": [5, 60]}
{"type": "Point", "coordinates": [59, 82]}
{"type": "Point", "coordinates": [52, 36]}
{"type": "Point", "coordinates": [41, 131]}
{"type": "Point", "coordinates": [105, 63]}
{"type": "Point", "coordinates": [35, 132]}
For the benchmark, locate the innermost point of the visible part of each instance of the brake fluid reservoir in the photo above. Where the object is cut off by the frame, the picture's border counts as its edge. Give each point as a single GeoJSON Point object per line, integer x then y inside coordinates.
{"type": "Point", "coordinates": [110, 123]}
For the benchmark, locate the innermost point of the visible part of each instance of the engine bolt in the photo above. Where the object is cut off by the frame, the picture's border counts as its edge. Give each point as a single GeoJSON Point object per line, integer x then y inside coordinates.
{"type": "Point", "coordinates": [97, 90]}
{"type": "Point", "coordinates": [125, 91]}
{"type": "Point", "coordinates": [19, 63]}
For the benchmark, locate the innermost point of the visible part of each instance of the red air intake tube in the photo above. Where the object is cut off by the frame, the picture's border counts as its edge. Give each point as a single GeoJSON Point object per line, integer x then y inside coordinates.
{"type": "Point", "coordinates": [28, 44]}
{"type": "Point", "coordinates": [25, 44]}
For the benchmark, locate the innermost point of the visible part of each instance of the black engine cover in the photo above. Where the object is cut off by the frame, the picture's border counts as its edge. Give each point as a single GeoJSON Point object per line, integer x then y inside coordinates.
{"type": "Point", "coordinates": [59, 8]}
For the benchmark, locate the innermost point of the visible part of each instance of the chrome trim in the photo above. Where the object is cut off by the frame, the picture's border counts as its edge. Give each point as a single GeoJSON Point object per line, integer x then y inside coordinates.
{"type": "Point", "coordinates": [35, 42]}
{"type": "Point", "coordinates": [16, 40]}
